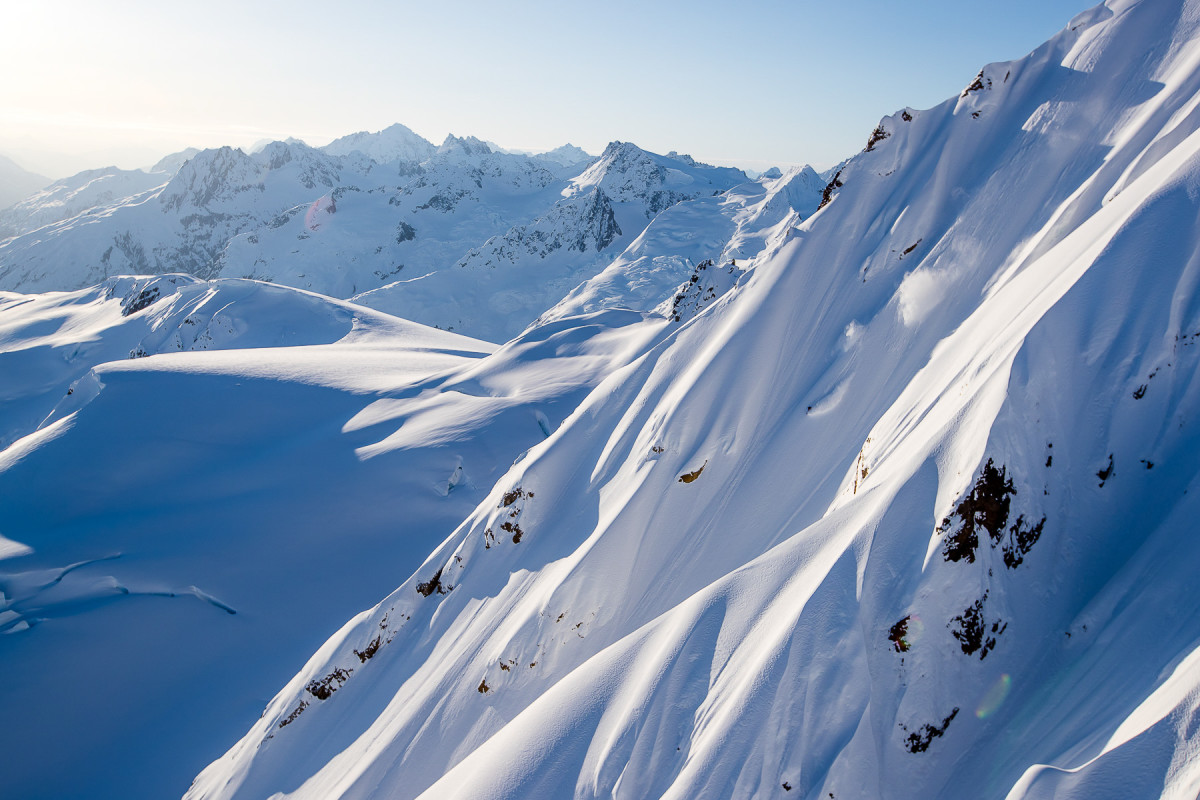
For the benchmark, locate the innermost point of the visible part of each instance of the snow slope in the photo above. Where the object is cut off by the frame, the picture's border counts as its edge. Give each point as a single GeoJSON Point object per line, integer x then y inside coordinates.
{"type": "Point", "coordinates": [906, 513]}
{"type": "Point", "coordinates": [97, 189]}
{"type": "Point", "coordinates": [181, 527]}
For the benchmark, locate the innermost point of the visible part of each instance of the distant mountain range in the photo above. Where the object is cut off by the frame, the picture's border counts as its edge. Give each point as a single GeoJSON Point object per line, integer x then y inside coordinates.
{"type": "Point", "coordinates": [457, 236]}
{"type": "Point", "coordinates": [17, 183]}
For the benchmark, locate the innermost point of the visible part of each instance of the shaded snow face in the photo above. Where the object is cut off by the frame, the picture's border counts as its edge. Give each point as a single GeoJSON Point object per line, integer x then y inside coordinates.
{"type": "Point", "coordinates": [202, 479]}
{"type": "Point", "coordinates": [904, 513]}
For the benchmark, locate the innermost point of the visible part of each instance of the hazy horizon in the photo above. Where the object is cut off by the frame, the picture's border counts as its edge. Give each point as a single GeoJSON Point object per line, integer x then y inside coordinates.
{"type": "Point", "coordinates": [773, 84]}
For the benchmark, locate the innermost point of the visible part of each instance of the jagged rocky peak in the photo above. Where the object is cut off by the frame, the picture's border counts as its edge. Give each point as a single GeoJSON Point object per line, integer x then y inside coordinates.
{"type": "Point", "coordinates": [207, 175]}
{"type": "Point", "coordinates": [310, 167]}
{"type": "Point", "coordinates": [617, 153]}
{"type": "Point", "coordinates": [771, 174]}
{"type": "Point", "coordinates": [276, 154]}
{"type": "Point", "coordinates": [468, 145]}
{"type": "Point", "coordinates": [394, 143]}
{"type": "Point", "coordinates": [686, 159]}
{"type": "Point", "coordinates": [630, 174]}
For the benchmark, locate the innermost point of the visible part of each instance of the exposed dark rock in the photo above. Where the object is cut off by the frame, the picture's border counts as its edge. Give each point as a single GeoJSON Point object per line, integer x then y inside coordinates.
{"type": "Point", "coordinates": [918, 741]}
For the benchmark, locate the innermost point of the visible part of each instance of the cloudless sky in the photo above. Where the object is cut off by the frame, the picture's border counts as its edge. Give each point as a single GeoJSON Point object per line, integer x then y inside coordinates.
{"type": "Point", "coordinates": [89, 83]}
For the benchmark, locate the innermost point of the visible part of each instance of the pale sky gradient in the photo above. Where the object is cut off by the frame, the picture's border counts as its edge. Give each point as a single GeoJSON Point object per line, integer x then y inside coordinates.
{"type": "Point", "coordinates": [124, 82]}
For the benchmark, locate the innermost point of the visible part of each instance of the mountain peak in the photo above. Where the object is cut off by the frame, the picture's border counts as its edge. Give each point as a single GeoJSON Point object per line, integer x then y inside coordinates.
{"type": "Point", "coordinates": [467, 145]}
{"type": "Point", "coordinates": [566, 156]}
{"type": "Point", "coordinates": [394, 143]}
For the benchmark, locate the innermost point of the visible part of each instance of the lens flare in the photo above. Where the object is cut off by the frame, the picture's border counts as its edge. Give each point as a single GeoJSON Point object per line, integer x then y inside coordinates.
{"type": "Point", "coordinates": [995, 697]}
{"type": "Point", "coordinates": [315, 216]}
{"type": "Point", "coordinates": [916, 629]}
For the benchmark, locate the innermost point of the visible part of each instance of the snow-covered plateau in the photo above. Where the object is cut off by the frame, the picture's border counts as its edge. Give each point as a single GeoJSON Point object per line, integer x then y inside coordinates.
{"type": "Point", "coordinates": [734, 498]}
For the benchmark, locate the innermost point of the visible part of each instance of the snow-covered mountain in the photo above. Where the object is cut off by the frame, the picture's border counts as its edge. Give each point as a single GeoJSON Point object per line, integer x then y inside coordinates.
{"type": "Point", "coordinates": [381, 217]}
{"type": "Point", "coordinates": [706, 238]}
{"type": "Point", "coordinates": [394, 143]}
{"type": "Point", "coordinates": [497, 289]}
{"type": "Point", "coordinates": [97, 191]}
{"type": "Point", "coordinates": [171, 163]}
{"type": "Point", "coordinates": [567, 155]}
{"type": "Point", "coordinates": [904, 513]}
{"type": "Point", "coordinates": [461, 195]}
{"type": "Point", "coordinates": [181, 226]}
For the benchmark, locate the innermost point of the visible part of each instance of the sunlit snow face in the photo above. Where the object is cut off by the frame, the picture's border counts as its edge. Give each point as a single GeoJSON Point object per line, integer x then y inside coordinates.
{"type": "Point", "coordinates": [995, 697]}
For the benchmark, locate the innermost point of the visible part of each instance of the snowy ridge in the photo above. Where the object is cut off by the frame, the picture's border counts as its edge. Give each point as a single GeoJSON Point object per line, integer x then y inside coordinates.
{"type": "Point", "coordinates": [903, 514]}
{"type": "Point", "coordinates": [68, 198]}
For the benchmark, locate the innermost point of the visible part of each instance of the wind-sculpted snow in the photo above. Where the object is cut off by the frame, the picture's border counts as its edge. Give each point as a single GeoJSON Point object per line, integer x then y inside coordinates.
{"type": "Point", "coordinates": [49, 343]}
{"type": "Point", "coordinates": [210, 477]}
{"type": "Point", "coordinates": [728, 574]}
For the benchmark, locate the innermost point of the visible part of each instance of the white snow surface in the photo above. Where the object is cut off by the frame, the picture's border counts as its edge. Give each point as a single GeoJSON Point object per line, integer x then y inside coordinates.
{"type": "Point", "coordinates": [904, 513]}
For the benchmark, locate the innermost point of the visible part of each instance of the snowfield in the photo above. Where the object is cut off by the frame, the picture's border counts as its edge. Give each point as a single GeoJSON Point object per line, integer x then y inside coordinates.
{"type": "Point", "coordinates": [889, 500]}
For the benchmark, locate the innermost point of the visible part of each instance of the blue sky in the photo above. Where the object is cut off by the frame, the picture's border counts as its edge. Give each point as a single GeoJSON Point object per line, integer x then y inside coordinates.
{"type": "Point", "coordinates": [750, 83]}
